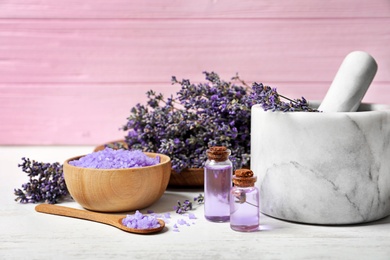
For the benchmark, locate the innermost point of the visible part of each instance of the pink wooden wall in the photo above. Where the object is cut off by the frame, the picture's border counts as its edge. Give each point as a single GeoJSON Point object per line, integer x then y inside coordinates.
{"type": "Point", "coordinates": [71, 70]}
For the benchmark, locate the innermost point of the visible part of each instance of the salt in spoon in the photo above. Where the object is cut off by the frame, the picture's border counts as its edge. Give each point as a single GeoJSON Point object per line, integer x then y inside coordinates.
{"type": "Point", "coordinates": [113, 220]}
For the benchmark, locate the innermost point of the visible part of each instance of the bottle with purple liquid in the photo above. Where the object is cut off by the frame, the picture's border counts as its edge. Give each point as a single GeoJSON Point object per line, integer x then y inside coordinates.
{"type": "Point", "coordinates": [244, 202]}
{"type": "Point", "coordinates": [218, 173]}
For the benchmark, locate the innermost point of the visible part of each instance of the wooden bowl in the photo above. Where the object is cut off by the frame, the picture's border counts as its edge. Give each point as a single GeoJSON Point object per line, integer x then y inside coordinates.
{"type": "Point", "coordinates": [188, 178]}
{"type": "Point", "coordinates": [118, 190]}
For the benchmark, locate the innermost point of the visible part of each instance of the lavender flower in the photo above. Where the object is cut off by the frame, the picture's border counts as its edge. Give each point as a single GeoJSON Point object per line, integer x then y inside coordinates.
{"type": "Point", "coordinates": [199, 199]}
{"type": "Point", "coordinates": [46, 183]}
{"type": "Point", "coordinates": [270, 99]}
{"type": "Point", "coordinates": [183, 207]}
{"type": "Point", "coordinates": [202, 115]}
{"type": "Point", "coordinates": [187, 205]}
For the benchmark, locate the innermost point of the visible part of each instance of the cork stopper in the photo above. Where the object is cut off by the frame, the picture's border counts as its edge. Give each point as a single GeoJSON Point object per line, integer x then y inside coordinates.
{"type": "Point", "coordinates": [218, 153]}
{"type": "Point", "coordinates": [244, 178]}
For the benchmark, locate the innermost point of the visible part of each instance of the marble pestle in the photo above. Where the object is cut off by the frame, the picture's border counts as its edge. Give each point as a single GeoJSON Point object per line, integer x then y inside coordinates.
{"type": "Point", "coordinates": [350, 83]}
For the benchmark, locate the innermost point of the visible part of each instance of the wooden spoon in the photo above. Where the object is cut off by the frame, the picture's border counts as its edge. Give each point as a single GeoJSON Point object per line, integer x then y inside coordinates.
{"type": "Point", "coordinates": [113, 220]}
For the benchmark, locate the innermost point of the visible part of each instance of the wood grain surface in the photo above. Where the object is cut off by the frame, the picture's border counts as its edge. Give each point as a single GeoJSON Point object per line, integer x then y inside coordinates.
{"type": "Point", "coordinates": [70, 72]}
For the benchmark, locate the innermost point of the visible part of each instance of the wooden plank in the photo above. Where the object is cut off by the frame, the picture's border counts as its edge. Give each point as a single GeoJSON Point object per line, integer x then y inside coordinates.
{"type": "Point", "coordinates": [50, 114]}
{"type": "Point", "coordinates": [70, 70]}
{"type": "Point", "coordinates": [116, 51]}
{"type": "Point", "coordinates": [168, 9]}
{"type": "Point", "coordinates": [81, 114]}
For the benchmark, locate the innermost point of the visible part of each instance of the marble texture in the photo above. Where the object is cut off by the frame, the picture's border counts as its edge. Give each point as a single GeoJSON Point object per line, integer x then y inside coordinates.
{"type": "Point", "coordinates": [323, 168]}
{"type": "Point", "coordinates": [350, 84]}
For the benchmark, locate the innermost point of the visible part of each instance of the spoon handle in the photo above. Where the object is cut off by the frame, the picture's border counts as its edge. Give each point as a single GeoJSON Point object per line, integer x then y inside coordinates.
{"type": "Point", "coordinates": [77, 213]}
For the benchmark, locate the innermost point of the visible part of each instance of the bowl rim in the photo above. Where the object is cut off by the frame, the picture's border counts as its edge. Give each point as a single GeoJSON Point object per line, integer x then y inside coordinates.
{"type": "Point", "coordinates": [166, 157]}
{"type": "Point", "coordinates": [364, 108]}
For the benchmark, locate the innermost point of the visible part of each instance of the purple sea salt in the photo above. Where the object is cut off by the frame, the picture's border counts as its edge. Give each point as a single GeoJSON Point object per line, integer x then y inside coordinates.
{"type": "Point", "coordinates": [115, 159]}
{"type": "Point", "coordinates": [191, 216]}
{"type": "Point", "coordinates": [179, 223]}
{"type": "Point", "coordinates": [182, 222]}
{"type": "Point", "coordinates": [140, 221]}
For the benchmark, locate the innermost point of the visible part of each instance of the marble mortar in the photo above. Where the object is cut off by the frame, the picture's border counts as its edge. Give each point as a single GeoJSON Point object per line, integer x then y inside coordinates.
{"type": "Point", "coordinates": [323, 168]}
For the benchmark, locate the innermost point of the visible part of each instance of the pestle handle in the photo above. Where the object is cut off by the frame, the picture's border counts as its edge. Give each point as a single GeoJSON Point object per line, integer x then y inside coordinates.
{"type": "Point", "coordinates": [350, 83]}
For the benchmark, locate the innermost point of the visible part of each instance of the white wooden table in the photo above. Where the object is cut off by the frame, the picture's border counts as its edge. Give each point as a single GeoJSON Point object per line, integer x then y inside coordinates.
{"type": "Point", "coordinates": [26, 234]}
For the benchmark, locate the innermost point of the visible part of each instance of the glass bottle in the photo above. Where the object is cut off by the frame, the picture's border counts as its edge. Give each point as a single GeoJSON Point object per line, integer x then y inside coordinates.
{"type": "Point", "coordinates": [244, 202]}
{"type": "Point", "coordinates": [218, 173]}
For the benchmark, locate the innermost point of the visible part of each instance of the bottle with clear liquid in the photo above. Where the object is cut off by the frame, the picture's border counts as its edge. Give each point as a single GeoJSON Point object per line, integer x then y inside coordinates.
{"type": "Point", "coordinates": [244, 202]}
{"type": "Point", "coordinates": [218, 173]}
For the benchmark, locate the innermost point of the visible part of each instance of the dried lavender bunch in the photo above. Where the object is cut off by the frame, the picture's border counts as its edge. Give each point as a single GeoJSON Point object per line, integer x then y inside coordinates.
{"type": "Point", "coordinates": [202, 115]}
{"type": "Point", "coordinates": [47, 183]}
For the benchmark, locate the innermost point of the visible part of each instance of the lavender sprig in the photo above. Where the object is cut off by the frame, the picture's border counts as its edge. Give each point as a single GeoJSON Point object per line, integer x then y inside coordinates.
{"type": "Point", "coordinates": [183, 207]}
{"type": "Point", "coordinates": [199, 199]}
{"type": "Point", "coordinates": [187, 205]}
{"type": "Point", "coordinates": [46, 183]}
{"type": "Point", "coordinates": [270, 99]}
